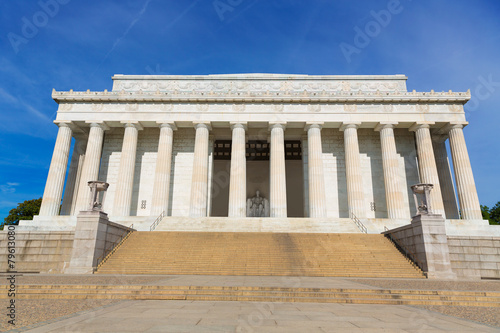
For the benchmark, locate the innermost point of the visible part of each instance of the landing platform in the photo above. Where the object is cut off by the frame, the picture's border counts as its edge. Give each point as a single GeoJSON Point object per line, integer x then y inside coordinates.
{"type": "Point", "coordinates": [251, 224]}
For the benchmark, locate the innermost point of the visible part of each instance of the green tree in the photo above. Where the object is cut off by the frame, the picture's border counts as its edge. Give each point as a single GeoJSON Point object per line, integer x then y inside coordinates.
{"type": "Point", "coordinates": [495, 214]}
{"type": "Point", "coordinates": [486, 213]}
{"type": "Point", "coordinates": [24, 211]}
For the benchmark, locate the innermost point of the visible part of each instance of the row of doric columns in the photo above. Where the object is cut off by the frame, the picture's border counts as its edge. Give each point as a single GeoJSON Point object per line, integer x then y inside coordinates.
{"type": "Point", "coordinates": [432, 163]}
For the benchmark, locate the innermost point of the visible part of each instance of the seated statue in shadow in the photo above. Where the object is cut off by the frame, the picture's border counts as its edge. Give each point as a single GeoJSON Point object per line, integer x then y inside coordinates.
{"type": "Point", "coordinates": [257, 206]}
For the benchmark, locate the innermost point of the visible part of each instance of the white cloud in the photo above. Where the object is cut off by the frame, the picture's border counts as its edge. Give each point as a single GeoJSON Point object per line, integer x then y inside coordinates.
{"type": "Point", "coordinates": [9, 187]}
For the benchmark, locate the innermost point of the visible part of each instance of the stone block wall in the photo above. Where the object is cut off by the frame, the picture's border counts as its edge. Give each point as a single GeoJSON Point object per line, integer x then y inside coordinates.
{"type": "Point", "coordinates": [475, 257]}
{"type": "Point", "coordinates": [39, 252]}
{"type": "Point", "coordinates": [114, 233]}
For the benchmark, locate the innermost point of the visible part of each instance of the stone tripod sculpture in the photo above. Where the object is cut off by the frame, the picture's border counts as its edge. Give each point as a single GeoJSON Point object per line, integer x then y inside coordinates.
{"type": "Point", "coordinates": [258, 206]}
{"type": "Point", "coordinates": [95, 188]}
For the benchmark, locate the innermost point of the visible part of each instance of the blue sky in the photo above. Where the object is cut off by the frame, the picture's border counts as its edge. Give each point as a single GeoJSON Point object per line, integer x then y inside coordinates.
{"type": "Point", "coordinates": [74, 44]}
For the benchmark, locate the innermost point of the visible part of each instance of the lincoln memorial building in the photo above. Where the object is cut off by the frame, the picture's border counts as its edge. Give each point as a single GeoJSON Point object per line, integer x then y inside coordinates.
{"type": "Point", "coordinates": [260, 152]}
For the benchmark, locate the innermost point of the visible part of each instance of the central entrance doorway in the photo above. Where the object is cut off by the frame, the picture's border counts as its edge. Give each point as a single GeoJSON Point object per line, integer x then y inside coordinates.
{"type": "Point", "coordinates": [257, 167]}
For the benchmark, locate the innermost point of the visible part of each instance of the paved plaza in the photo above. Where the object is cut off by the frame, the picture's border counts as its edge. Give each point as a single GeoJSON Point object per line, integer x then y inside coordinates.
{"type": "Point", "coordinates": [236, 316]}
{"type": "Point", "coordinates": [196, 316]}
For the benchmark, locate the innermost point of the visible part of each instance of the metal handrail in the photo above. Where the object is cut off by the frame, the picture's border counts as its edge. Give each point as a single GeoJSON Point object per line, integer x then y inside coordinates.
{"type": "Point", "coordinates": [404, 250]}
{"type": "Point", "coordinates": [358, 223]}
{"type": "Point", "coordinates": [113, 247]}
{"type": "Point", "coordinates": [157, 221]}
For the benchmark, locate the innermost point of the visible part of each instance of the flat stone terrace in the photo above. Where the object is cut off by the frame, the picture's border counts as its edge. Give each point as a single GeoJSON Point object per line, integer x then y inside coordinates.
{"type": "Point", "coordinates": [98, 315]}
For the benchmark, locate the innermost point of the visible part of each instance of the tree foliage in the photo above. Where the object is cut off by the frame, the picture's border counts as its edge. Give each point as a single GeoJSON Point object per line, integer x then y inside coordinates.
{"type": "Point", "coordinates": [491, 214]}
{"type": "Point", "coordinates": [24, 211]}
{"type": "Point", "coordinates": [495, 214]}
{"type": "Point", "coordinates": [485, 211]}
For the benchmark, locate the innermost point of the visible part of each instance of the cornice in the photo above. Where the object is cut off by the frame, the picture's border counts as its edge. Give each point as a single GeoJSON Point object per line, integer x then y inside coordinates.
{"type": "Point", "coordinates": [260, 97]}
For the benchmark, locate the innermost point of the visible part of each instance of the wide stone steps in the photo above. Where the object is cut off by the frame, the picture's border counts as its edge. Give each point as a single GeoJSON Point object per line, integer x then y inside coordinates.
{"type": "Point", "coordinates": [248, 253]}
{"type": "Point", "coordinates": [258, 294]}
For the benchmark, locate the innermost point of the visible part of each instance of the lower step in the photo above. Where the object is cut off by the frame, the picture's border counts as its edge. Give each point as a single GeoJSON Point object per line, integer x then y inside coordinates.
{"type": "Point", "coordinates": [394, 301]}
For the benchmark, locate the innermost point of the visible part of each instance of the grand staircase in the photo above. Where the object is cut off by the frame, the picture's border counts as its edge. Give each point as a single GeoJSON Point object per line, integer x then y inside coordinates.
{"type": "Point", "coordinates": [259, 254]}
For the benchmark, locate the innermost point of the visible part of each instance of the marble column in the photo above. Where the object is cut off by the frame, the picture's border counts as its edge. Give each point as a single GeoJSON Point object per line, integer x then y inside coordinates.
{"type": "Point", "coordinates": [305, 172]}
{"type": "Point", "coordinates": [57, 172]}
{"type": "Point", "coordinates": [445, 177]}
{"type": "Point", "coordinates": [466, 187]}
{"type": "Point", "coordinates": [277, 174]}
{"type": "Point", "coordinates": [390, 162]}
{"type": "Point", "coordinates": [427, 165]}
{"type": "Point", "coordinates": [354, 178]}
{"type": "Point", "coordinates": [161, 187]}
{"type": "Point", "coordinates": [199, 180]}
{"type": "Point", "coordinates": [317, 197]}
{"type": "Point", "coordinates": [90, 170]}
{"type": "Point", "coordinates": [238, 173]}
{"type": "Point", "coordinates": [75, 170]}
{"type": "Point", "coordinates": [125, 181]}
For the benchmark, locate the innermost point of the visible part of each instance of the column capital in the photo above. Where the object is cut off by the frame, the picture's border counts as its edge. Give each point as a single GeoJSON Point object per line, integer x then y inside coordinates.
{"type": "Point", "coordinates": [100, 124]}
{"type": "Point", "coordinates": [454, 124]}
{"type": "Point", "coordinates": [438, 137]}
{"type": "Point", "coordinates": [277, 124]}
{"type": "Point", "coordinates": [68, 123]}
{"type": "Point", "coordinates": [350, 124]}
{"type": "Point", "coordinates": [421, 124]}
{"type": "Point", "coordinates": [316, 124]}
{"type": "Point", "coordinates": [202, 124]}
{"type": "Point", "coordinates": [167, 124]}
{"type": "Point", "coordinates": [135, 124]}
{"type": "Point", "coordinates": [238, 124]}
{"type": "Point", "coordinates": [64, 123]}
{"type": "Point", "coordinates": [385, 124]}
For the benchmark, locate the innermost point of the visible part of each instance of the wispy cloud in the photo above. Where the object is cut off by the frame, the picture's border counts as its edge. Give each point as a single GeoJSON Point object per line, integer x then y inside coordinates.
{"type": "Point", "coordinates": [9, 187]}
{"type": "Point", "coordinates": [7, 97]}
{"type": "Point", "coordinates": [36, 112]}
{"type": "Point", "coordinates": [124, 35]}
{"type": "Point", "coordinates": [131, 25]}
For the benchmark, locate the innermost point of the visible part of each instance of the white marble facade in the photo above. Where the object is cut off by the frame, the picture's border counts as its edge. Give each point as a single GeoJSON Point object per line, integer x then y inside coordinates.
{"type": "Point", "coordinates": [361, 142]}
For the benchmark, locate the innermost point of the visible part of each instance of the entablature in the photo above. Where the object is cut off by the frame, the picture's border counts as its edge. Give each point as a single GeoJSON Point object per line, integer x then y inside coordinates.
{"type": "Point", "coordinates": [363, 97]}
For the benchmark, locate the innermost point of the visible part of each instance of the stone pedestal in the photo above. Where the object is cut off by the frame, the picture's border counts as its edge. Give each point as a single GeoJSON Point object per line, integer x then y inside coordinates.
{"type": "Point", "coordinates": [94, 234]}
{"type": "Point", "coordinates": [431, 246]}
{"type": "Point", "coordinates": [89, 243]}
